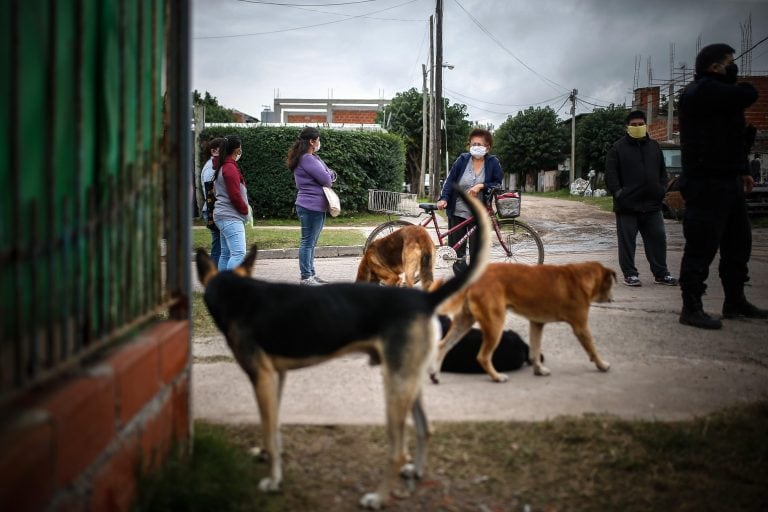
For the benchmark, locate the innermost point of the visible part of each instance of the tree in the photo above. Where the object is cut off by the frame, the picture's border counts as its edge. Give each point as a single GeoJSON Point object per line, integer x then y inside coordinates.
{"type": "Point", "coordinates": [595, 134]}
{"type": "Point", "coordinates": [530, 142]}
{"type": "Point", "coordinates": [214, 113]}
{"type": "Point", "coordinates": [403, 116]}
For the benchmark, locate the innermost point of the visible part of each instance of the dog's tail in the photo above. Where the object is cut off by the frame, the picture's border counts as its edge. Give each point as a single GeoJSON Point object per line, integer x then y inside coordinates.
{"type": "Point", "coordinates": [478, 258]}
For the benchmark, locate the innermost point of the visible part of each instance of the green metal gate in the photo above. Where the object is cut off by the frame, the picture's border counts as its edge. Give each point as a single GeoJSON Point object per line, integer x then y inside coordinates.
{"type": "Point", "coordinates": [94, 216]}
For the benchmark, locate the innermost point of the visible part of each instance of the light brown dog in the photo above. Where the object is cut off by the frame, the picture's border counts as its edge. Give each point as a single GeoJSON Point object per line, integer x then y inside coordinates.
{"type": "Point", "coordinates": [406, 251]}
{"type": "Point", "coordinates": [540, 293]}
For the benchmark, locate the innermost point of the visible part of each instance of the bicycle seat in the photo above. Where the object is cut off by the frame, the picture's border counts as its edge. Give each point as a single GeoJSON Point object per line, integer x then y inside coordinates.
{"type": "Point", "coordinates": [428, 207]}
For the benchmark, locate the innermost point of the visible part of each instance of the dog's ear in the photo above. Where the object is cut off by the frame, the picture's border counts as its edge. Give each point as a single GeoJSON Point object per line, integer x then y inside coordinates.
{"type": "Point", "coordinates": [246, 267]}
{"type": "Point", "coordinates": [206, 269]}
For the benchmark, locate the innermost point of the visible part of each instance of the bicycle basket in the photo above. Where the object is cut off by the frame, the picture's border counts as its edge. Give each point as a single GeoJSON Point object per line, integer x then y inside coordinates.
{"type": "Point", "coordinates": [508, 204]}
{"type": "Point", "coordinates": [394, 203]}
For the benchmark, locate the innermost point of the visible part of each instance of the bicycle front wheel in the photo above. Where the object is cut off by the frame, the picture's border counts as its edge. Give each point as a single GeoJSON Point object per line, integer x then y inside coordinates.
{"type": "Point", "coordinates": [516, 242]}
{"type": "Point", "coordinates": [385, 229]}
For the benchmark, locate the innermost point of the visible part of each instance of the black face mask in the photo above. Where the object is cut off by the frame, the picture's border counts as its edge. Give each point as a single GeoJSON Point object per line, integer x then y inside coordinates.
{"type": "Point", "coordinates": [731, 72]}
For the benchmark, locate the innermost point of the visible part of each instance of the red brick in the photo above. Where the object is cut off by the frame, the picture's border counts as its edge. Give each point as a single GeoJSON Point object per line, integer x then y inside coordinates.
{"type": "Point", "coordinates": [156, 436]}
{"type": "Point", "coordinates": [83, 418]}
{"type": "Point", "coordinates": [114, 485]}
{"type": "Point", "coordinates": [26, 464]}
{"type": "Point", "coordinates": [174, 349]}
{"type": "Point", "coordinates": [137, 374]}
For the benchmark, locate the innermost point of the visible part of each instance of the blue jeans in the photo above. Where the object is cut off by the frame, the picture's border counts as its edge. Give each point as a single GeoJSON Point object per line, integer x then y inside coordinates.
{"type": "Point", "coordinates": [311, 225]}
{"type": "Point", "coordinates": [215, 241]}
{"type": "Point", "coordinates": [232, 239]}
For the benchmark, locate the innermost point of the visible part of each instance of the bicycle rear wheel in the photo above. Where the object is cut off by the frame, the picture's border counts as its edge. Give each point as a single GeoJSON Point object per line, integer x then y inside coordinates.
{"type": "Point", "coordinates": [516, 242]}
{"type": "Point", "coordinates": [385, 229]}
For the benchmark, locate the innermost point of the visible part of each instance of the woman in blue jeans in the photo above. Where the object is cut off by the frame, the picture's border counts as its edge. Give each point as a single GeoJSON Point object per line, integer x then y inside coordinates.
{"type": "Point", "coordinates": [311, 175]}
{"type": "Point", "coordinates": [231, 210]}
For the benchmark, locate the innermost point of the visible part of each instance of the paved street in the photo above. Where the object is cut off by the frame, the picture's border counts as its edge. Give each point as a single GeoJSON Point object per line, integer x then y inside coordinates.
{"type": "Point", "coordinates": [660, 369]}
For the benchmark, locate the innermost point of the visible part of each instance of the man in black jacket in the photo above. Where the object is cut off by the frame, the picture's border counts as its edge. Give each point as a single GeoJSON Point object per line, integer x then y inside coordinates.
{"type": "Point", "coordinates": [715, 145]}
{"type": "Point", "coordinates": [636, 177]}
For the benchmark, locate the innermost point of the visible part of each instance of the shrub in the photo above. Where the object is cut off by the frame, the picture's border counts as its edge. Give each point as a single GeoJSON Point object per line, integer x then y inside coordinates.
{"type": "Point", "coordinates": [362, 160]}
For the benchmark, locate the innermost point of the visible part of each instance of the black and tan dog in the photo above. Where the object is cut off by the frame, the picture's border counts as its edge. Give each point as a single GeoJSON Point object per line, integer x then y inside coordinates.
{"type": "Point", "coordinates": [275, 327]}
{"type": "Point", "coordinates": [540, 293]}
{"type": "Point", "coordinates": [406, 251]}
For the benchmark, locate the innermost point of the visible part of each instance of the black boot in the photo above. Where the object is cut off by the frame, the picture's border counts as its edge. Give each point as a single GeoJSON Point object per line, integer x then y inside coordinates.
{"type": "Point", "coordinates": [693, 313]}
{"type": "Point", "coordinates": [744, 309]}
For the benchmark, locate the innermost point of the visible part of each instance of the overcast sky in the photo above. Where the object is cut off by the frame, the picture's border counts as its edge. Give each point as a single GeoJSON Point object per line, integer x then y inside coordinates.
{"type": "Point", "coordinates": [507, 54]}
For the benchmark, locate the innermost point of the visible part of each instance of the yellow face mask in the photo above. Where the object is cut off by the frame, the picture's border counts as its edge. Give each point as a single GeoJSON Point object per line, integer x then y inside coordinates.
{"type": "Point", "coordinates": [637, 132]}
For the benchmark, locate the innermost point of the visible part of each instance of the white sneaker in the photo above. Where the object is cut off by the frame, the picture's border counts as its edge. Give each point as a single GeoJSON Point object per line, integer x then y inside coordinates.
{"type": "Point", "coordinates": [320, 281]}
{"type": "Point", "coordinates": [310, 281]}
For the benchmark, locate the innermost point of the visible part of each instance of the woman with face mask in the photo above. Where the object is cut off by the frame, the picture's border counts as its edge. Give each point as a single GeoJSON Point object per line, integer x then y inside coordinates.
{"type": "Point", "coordinates": [310, 174]}
{"type": "Point", "coordinates": [474, 172]}
{"type": "Point", "coordinates": [231, 207]}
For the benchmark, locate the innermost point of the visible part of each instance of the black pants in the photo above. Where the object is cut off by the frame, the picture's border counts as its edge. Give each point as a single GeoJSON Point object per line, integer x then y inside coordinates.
{"type": "Point", "coordinates": [650, 225]}
{"type": "Point", "coordinates": [459, 233]}
{"type": "Point", "coordinates": [715, 218]}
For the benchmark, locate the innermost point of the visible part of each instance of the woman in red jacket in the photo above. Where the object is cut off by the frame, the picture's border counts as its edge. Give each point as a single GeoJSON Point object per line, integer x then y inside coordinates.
{"type": "Point", "coordinates": [231, 209]}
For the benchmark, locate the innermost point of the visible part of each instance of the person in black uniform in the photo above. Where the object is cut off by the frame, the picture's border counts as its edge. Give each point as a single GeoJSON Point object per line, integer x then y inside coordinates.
{"type": "Point", "coordinates": [636, 177]}
{"type": "Point", "coordinates": [715, 146]}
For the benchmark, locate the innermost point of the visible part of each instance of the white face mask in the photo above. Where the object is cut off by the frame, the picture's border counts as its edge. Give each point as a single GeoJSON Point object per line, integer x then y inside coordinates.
{"type": "Point", "coordinates": [477, 151]}
{"type": "Point", "coordinates": [239, 155]}
{"type": "Point", "coordinates": [317, 146]}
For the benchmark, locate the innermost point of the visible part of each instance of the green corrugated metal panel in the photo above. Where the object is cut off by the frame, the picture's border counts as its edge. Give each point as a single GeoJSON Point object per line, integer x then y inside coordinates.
{"type": "Point", "coordinates": [81, 118]}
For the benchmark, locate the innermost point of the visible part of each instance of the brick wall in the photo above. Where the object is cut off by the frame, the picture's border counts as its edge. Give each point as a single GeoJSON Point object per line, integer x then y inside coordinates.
{"type": "Point", "coordinates": [78, 445]}
{"type": "Point", "coordinates": [309, 119]}
{"type": "Point", "coordinates": [757, 114]}
{"type": "Point", "coordinates": [354, 116]}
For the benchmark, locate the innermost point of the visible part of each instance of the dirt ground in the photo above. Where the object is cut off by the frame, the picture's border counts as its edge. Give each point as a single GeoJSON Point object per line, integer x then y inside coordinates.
{"type": "Point", "coordinates": [660, 369]}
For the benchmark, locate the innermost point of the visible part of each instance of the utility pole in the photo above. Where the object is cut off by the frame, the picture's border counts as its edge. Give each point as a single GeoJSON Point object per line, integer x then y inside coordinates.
{"type": "Point", "coordinates": [424, 131]}
{"type": "Point", "coordinates": [432, 158]}
{"type": "Point", "coordinates": [573, 134]}
{"type": "Point", "coordinates": [437, 70]}
{"type": "Point", "coordinates": [671, 92]}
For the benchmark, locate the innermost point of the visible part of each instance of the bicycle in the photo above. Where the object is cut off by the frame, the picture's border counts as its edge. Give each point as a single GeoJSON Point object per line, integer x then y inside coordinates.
{"type": "Point", "coordinates": [515, 241]}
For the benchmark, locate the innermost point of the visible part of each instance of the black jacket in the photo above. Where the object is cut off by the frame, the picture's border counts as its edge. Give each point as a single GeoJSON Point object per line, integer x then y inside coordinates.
{"type": "Point", "coordinates": [636, 175]}
{"type": "Point", "coordinates": [713, 135]}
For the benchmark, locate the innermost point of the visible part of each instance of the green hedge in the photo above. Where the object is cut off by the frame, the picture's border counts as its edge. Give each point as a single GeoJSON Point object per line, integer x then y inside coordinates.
{"type": "Point", "coordinates": [362, 160]}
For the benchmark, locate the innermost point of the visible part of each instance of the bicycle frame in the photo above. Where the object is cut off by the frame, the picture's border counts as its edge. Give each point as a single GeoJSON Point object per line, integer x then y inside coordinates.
{"type": "Point", "coordinates": [443, 235]}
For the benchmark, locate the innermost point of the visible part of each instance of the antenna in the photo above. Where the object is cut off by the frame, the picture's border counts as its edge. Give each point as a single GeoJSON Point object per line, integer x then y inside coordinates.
{"type": "Point", "coordinates": [636, 80]}
{"type": "Point", "coordinates": [650, 71]}
{"type": "Point", "coordinates": [746, 44]}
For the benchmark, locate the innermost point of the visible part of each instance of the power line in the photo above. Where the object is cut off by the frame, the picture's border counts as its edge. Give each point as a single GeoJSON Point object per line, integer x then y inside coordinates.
{"type": "Point", "coordinates": [305, 5]}
{"type": "Point", "coordinates": [499, 43]}
{"type": "Point", "coordinates": [507, 104]}
{"type": "Point", "coordinates": [753, 47]}
{"type": "Point", "coordinates": [306, 26]}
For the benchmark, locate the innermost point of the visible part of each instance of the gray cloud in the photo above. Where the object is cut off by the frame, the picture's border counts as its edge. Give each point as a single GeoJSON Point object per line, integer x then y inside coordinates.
{"type": "Point", "coordinates": [590, 45]}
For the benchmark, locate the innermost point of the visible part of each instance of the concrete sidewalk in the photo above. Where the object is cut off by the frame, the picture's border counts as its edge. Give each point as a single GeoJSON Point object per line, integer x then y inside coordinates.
{"type": "Point", "coordinates": [660, 369]}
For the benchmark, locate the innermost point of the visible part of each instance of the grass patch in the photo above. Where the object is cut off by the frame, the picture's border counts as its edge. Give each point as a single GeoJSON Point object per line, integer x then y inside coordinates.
{"type": "Point", "coordinates": [268, 238]}
{"type": "Point", "coordinates": [591, 463]}
{"type": "Point", "coordinates": [604, 203]}
{"type": "Point", "coordinates": [202, 323]}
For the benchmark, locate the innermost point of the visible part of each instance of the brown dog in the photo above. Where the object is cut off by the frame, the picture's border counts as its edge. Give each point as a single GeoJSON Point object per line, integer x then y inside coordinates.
{"type": "Point", "coordinates": [541, 293]}
{"type": "Point", "coordinates": [406, 251]}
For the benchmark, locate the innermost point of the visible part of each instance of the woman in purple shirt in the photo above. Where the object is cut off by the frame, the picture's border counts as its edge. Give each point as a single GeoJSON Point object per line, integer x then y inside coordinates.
{"type": "Point", "coordinates": [311, 175]}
